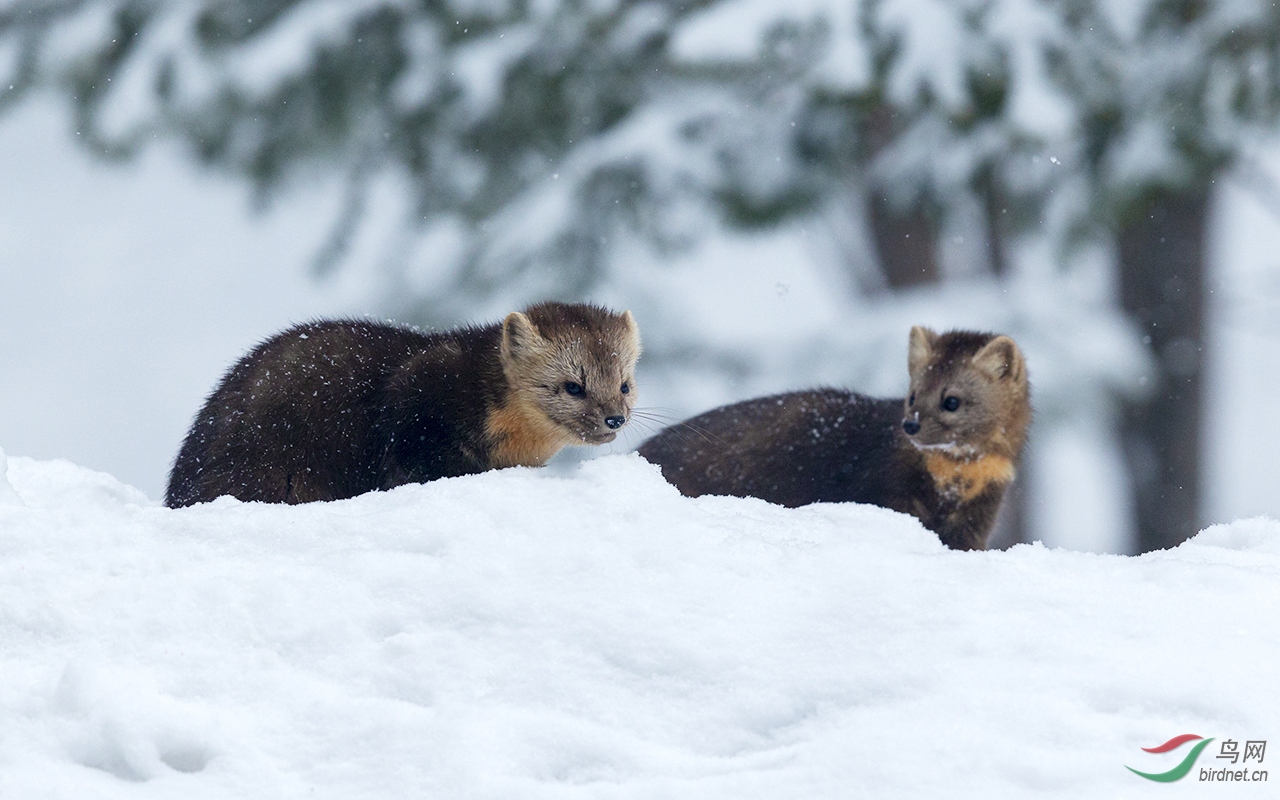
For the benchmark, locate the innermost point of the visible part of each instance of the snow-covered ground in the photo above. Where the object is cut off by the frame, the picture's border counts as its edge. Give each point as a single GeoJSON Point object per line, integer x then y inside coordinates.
{"type": "Point", "coordinates": [530, 634]}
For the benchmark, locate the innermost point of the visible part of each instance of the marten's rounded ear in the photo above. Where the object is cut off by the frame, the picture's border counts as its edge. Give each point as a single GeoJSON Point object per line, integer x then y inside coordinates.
{"type": "Point", "coordinates": [633, 330]}
{"type": "Point", "coordinates": [920, 349]}
{"type": "Point", "coordinates": [1001, 359]}
{"type": "Point", "coordinates": [519, 337]}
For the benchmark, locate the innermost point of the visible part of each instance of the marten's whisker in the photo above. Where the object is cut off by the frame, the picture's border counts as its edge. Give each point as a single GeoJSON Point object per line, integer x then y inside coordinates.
{"type": "Point", "coordinates": [648, 413]}
{"type": "Point", "coordinates": [697, 430]}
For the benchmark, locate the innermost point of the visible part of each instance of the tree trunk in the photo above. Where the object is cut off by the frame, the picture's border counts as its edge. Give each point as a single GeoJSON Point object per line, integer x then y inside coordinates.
{"type": "Point", "coordinates": [906, 244]}
{"type": "Point", "coordinates": [995, 216]}
{"type": "Point", "coordinates": [1162, 287]}
{"type": "Point", "coordinates": [905, 239]}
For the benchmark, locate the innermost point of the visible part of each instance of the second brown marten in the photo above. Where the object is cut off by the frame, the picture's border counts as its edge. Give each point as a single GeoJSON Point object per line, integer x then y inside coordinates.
{"type": "Point", "coordinates": [333, 409]}
{"type": "Point", "coordinates": [944, 454]}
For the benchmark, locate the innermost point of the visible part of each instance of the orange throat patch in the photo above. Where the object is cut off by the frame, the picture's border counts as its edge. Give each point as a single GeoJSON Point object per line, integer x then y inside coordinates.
{"type": "Point", "coordinates": [966, 479]}
{"type": "Point", "coordinates": [523, 436]}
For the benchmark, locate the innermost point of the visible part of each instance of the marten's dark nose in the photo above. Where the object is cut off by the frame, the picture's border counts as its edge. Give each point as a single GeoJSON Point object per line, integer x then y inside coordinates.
{"type": "Point", "coordinates": [615, 422]}
{"type": "Point", "coordinates": [911, 427]}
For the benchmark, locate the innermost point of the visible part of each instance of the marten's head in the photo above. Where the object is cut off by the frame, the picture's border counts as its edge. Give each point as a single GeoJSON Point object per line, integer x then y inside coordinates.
{"type": "Point", "coordinates": [969, 394]}
{"type": "Point", "coordinates": [575, 364]}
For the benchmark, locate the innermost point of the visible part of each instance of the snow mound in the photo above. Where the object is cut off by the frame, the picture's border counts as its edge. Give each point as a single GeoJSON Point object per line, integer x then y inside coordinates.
{"type": "Point", "coordinates": [8, 496]}
{"type": "Point", "coordinates": [522, 634]}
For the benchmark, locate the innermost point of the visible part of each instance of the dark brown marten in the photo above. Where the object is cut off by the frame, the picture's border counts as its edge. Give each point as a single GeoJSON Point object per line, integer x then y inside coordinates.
{"type": "Point", "coordinates": [334, 409]}
{"type": "Point", "coordinates": [944, 454]}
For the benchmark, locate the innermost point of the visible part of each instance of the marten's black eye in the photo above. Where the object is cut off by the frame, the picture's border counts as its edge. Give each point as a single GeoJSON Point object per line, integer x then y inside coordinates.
{"type": "Point", "coordinates": [573, 388]}
{"type": "Point", "coordinates": [950, 403]}
{"type": "Point", "coordinates": [911, 401]}
{"type": "Point", "coordinates": [626, 387]}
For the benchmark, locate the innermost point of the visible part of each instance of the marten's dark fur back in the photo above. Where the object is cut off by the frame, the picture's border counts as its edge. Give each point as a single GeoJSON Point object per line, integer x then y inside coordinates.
{"type": "Point", "coordinates": [333, 409]}
{"type": "Point", "coordinates": [834, 446]}
{"type": "Point", "coordinates": [783, 449]}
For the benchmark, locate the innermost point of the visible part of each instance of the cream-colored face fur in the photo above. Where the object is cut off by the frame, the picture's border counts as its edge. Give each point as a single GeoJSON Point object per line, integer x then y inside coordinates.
{"type": "Point", "coordinates": [580, 378]}
{"type": "Point", "coordinates": [969, 394]}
